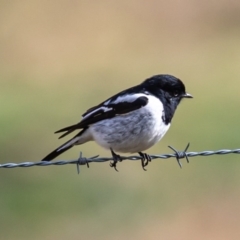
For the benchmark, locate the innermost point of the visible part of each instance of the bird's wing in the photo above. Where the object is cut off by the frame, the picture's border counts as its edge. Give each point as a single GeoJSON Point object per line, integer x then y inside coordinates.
{"type": "Point", "coordinates": [108, 109]}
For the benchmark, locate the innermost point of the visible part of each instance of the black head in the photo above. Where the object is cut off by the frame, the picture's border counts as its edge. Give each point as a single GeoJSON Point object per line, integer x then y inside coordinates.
{"type": "Point", "coordinates": [169, 89]}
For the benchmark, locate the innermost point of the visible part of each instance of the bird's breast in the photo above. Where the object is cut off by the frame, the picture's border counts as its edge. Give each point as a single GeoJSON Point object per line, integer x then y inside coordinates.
{"type": "Point", "coordinates": [132, 132]}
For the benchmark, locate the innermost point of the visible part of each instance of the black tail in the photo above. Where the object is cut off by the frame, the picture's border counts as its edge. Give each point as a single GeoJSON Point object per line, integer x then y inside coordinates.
{"type": "Point", "coordinates": [67, 145]}
{"type": "Point", "coordinates": [56, 153]}
{"type": "Point", "coordinates": [67, 130]}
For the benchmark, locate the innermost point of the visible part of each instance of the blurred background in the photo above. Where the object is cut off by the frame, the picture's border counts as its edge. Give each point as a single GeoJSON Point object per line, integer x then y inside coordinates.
{"type": "Point", "coordinates": [58, 58]}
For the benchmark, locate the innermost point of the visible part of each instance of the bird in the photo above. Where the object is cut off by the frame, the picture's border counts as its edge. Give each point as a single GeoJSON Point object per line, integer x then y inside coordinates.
{"type": "Point", "coordinates": [131, 121]}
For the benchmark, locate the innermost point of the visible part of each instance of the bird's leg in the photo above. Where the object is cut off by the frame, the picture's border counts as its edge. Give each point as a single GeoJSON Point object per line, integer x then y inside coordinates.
{"type": "Point", "coordinates": [116, 158]}
{"type": "Point", "coordinates": [145, 157]}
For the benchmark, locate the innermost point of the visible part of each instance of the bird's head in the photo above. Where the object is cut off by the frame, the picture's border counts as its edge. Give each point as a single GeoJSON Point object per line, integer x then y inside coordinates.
{"type": "Point", "coordinates": [168, 88]}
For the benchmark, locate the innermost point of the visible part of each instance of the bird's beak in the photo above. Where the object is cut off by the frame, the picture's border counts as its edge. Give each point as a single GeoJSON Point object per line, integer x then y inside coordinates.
{"type": "Point", "coordinates": [187, 95]}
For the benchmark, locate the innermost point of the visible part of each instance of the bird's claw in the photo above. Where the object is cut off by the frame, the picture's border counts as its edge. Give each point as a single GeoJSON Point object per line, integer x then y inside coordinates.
{"type": "Point", "coordinates": [116, 158]}
{"type": "Point", "coordinates": [145, 159]}
{"type": "Point", "coordinates": [181, 154]}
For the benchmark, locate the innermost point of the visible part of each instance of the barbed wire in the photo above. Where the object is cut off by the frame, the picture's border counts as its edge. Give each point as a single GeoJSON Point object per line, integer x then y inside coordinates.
{"type": "Point", "coordinates": [96, 159]}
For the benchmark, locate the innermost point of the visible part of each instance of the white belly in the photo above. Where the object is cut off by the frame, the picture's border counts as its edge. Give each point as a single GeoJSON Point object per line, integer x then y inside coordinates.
{"type": "Point", "coordinates": [132, 132]}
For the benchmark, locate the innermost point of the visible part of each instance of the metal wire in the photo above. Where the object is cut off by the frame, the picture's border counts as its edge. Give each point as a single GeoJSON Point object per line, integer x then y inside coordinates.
{"type": "Point", "coordinates": [85, 161]}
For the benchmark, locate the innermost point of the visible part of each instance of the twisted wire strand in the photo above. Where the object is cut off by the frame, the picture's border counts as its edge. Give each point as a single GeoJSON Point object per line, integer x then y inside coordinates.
{"type": "Point", "coordinates": [85, 161]}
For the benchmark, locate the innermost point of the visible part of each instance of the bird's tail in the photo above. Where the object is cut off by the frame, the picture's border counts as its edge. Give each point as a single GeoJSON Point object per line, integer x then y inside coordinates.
{"type": "Point", "coordinates": [67, 145]}
{"type": "Point", "coordinates": [67, 130]}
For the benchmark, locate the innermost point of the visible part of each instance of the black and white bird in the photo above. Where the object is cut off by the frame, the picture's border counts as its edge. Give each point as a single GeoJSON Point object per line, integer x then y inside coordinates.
{"type": "Point", "coordinates": [131, 121]}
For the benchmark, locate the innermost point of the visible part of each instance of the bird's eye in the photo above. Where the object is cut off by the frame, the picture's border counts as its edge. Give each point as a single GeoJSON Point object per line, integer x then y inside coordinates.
{"type": "Point", "coordinates": [175, 94]}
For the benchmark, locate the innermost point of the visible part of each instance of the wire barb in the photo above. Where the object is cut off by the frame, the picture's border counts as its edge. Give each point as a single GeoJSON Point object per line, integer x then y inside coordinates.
{"type": "Point", "coordinates": [180, 154]}
{"type": "Point", "coordinates": [83, 161]}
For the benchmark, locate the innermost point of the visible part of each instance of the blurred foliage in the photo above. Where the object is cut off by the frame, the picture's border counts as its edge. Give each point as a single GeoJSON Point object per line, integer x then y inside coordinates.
{"type": "Point", "coordinates": [59, 58]}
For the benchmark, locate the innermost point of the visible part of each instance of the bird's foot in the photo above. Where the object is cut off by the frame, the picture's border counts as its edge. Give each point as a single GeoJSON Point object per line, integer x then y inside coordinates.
{"type": "Point", "coordinates": [180, 154]}
{"type": "Point", "coordinates": [116, 158]}
{"type": "Point", "coordinates": [145, 159]}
